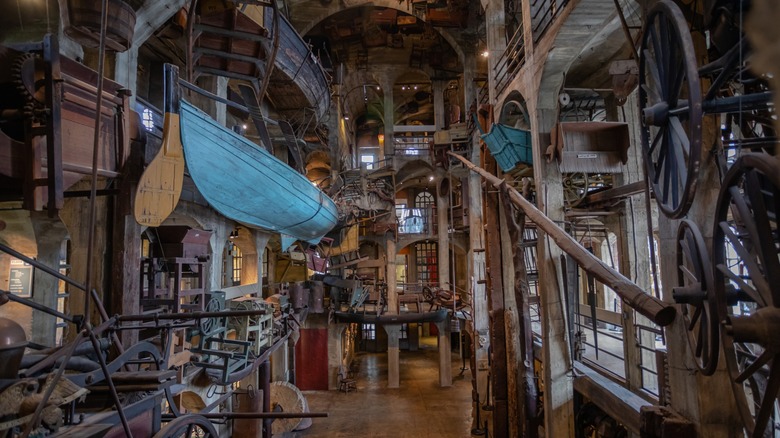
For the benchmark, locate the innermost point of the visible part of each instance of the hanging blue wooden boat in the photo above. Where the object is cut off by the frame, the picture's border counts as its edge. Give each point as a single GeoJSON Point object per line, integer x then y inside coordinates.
{"type": "Point", "coordinates": [246, 183]}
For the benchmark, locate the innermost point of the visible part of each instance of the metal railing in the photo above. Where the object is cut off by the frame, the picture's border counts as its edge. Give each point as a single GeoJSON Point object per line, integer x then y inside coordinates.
{"type": "Point", "coordinates": [543, 14]}
{"type": "Point", "coordinates": [416, 220]}
{"type": "Point", "coordinates": [510, 62]}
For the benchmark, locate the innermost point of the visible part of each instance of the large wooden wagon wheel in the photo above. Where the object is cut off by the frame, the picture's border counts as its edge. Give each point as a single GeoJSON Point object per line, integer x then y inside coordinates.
{"type": "Point", "coordinates": [188, 426]}
{"type": "Point", "coordinates": [746, 246]}
{"type": "Point", "coordinates": [575, 188]}
{"type": "Point", "coordinates": [670, 99]}
{"type": "Point", "coordinates": [697, 296]}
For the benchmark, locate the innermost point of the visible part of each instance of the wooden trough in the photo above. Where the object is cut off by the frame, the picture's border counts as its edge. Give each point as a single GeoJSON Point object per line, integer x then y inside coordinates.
{"type": "Point", "coordinates": [592, 147]}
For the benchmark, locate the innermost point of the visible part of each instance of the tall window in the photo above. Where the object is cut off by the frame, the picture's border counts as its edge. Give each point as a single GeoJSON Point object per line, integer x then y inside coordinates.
{"type": "Point", "coordinates": [369, 331]}
{"type": "Point", "coordinates": [233, 264]}
{"type": "Point", "coordinates": [426, 257]}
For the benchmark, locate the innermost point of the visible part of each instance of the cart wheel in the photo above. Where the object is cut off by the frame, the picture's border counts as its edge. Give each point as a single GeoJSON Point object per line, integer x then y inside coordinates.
{"type": "Point", "coordinates": [188, 426]}
{"type": "Point", "coordinates": [670, 99]}
{"type": "Point", "coordinates": [746, 247]}
{"type": "Point", "coordinates": [697, 297]}
{"type": "Point", "coordinates": [575, 188]}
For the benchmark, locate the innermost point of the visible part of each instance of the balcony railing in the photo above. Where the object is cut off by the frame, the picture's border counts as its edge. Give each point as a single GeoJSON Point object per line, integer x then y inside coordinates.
{"type": "Point", "coordinates": [416, 220]}
{"type": "Point", "coordinates": [543, 13]}
{"type": "Point", "coordinates": [510, 61]}
{"type": "Point", "coordinates": [413, 141]}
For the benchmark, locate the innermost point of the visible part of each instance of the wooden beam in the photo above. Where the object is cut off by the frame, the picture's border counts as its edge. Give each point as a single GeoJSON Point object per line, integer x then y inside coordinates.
{"type": "Point", "coordinates": [659, 312]}
{"type": "Point", "coordinates": [615, 400]}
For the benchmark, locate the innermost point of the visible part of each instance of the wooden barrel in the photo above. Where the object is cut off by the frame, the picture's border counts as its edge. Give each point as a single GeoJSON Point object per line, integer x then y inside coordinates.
{"type": "Point", "coordinates": [83, 23]}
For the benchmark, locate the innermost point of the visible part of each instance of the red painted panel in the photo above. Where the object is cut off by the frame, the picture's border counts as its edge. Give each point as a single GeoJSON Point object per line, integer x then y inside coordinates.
{"type": "Point", "coordinates": [311, 359]}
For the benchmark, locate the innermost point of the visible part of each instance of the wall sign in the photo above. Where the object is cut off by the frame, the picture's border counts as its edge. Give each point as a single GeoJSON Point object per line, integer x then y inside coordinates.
{"type": "Point", "coordinates": [20, 278]}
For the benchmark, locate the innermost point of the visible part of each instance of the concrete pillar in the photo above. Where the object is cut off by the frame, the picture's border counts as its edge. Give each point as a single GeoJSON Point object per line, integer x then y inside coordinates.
{"type": "Point", "coordinates": [221, 108]}
{"type": "Point", "coordinates": [442, 218]}
{"type": "Point", "coordinates": [393, 355]}
{"type": "Point", "coordinates": [445, 354]}
{"type": "Point", "coordinates": [126, 71]}
{"type": "Point", "coordinates": [438, 104]}
{"type": "Point", "coordinates": [558, 395]}
{"type": "Point", "coordinates": [335, 356]}
{"type": "Point", "coordinates": [387, 89]}
{"type": "Point", "coordinates": [49, 235]}
{"type": "Point", "coordinates": [476, 252]}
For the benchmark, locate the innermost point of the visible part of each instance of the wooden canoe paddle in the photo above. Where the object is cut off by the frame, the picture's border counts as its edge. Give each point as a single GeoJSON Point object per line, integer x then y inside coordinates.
{"type": "Point", "coordinates": [159, 189]}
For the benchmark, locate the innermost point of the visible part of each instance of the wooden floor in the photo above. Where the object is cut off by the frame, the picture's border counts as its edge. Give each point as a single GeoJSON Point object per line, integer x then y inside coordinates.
{"type": "Point", "coordinates": [418, 409]}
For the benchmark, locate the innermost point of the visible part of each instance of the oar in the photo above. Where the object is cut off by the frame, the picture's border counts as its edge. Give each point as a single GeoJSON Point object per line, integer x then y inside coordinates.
{"type": "Point", "coordinates": [160, 186]}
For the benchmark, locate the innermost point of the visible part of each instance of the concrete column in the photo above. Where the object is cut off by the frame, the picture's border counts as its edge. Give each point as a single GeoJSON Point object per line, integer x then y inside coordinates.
{"type": "Point", "coordinates": [392, 293]}
{"type": "Point", "coordinates": [558, 394]}
{"type": "Point", "coordinates": [445, 354]}
{"type": "Point", "coordinates": [221, 108]}
{"type": "Point", "coordinates": [387, 89]}
{"type": "Point", "coordinates": [438, 104]}
{"type": "Point", "coordinates": [49, 235]}
{"type": "Point", "coordinates": [335, 357]}
{"type": "Point", "coordinates": [393, 355]}
{"type": "Point", "coordinates": [476, 252]}
{"type": "Point", "coordinates": [279, 365]}
{"type": "Point", "coordinates": [126, 71]}
{"type": "Point", "coordinates": [442, 218]}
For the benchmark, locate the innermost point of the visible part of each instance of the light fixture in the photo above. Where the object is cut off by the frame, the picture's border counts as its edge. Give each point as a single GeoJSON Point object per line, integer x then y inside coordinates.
{"type": "Point", "coordinates": [233, 234]}
{"type": "Point", "coordinates": [485, 54]}
{"type": "Point", "coordinates": [430, 178]}
{"type": "Point", "coordinates": [415, 87]}
{"type": "Point", "coordinates": [378, 88]}
{"type": "Point", "coordinates": [243, 126]}
{"type": "Point", "coordinates": [346, 117]}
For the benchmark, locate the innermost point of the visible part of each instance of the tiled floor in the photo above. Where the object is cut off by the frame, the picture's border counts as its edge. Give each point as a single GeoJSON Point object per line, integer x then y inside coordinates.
{"type": "Point", "coordinates": [418, 409]}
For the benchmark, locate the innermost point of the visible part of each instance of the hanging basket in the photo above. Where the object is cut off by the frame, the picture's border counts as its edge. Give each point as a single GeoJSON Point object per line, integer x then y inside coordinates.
{"type": "Point", "coordinates": [81, 21]}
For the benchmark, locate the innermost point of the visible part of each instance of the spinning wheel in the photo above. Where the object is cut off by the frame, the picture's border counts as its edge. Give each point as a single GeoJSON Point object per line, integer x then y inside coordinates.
{"type": "Point", "coordinates": [670, 98]}
{"type": "Point", "coordinates": [747, 286]}
{"type": "Point", "coordinates": [188, 426]}
{"type": "Point", "coordinates": [697, 297]}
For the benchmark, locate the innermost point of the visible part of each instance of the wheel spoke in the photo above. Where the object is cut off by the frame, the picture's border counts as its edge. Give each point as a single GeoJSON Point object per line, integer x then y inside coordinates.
{"type": "Point", "coordinates": [755, 366]}
{"type": "Point", "coordinates": [748, 256]}
{"type": "Point", "coordinates": [662, 53]}
{"type": "Point", "coordinates": [767, 406]}
{"type": "Point", "coordinates": [765, 240]}
{"type": "Point", "coordinates": [695, 317]}
{"type": "Point", "coordinates": [654, 88]}
{"type": "Point", "coordinates": [679, 131]}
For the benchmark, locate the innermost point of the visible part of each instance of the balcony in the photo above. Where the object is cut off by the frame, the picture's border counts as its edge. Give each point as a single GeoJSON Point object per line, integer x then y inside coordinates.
{"type": "Point", "coordinates": [416, 220]}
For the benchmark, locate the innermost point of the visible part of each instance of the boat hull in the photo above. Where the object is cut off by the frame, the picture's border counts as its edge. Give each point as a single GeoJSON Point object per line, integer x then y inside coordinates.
{"type": "Point", "coordinates": [247, 184]}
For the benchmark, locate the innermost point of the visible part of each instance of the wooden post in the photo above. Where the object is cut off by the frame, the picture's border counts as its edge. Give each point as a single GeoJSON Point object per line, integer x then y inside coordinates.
{"type": "Point", "coordinates": [498, 369]}
{"type": "Point", "coordinates": [527, 396]}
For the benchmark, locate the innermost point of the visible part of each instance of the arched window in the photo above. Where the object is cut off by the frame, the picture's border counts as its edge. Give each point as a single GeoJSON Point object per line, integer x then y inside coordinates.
{"type": "Point", "coordinates": [424, 199]}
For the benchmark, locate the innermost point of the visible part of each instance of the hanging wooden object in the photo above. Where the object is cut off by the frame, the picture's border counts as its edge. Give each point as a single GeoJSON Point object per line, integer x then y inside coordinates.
{"type": "Point", "coordinates": [81, 21]}
{"type": "Point", "coordinates": [160, 186]}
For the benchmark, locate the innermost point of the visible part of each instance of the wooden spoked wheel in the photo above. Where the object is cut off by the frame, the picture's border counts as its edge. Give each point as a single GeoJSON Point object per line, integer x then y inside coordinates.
{"type": "Point", "coordinates": [670, 99]}
{"type": "Point", "coordinates": [188, 426]}
{"type": "Point", "coordinates": [575, 188]}
{"type": "Point", "coordinates": [746, 247]}
{"type": "Point", "coordinates": [697, 297]}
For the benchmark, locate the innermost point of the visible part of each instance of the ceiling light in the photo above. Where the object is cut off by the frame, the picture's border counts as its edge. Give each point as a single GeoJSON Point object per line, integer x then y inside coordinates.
{"type": "Point", "coordinates": [378, 88]}
{"type": "Point", "coordinates": [346, 117]}
{"type": "Point", "coordinates": [243, 126]}
{"type": "Point", "coordinates": [430, 178]}
{"type": "Point", "coordinates": [415, 87]}
{"type": "Point", "coordinates": [485, 54]}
